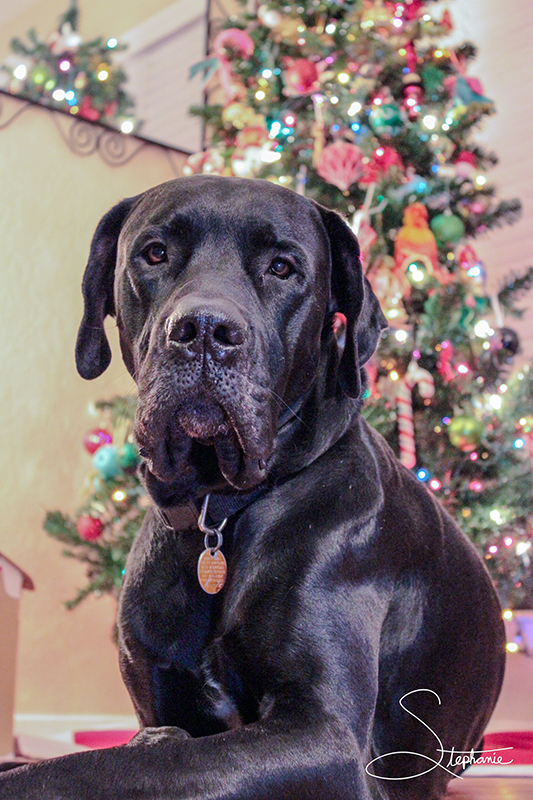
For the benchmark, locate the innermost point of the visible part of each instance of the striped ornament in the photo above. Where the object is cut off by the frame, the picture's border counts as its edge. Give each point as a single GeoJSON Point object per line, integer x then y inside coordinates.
{"type": "Point", "coordinates": [415, 376]}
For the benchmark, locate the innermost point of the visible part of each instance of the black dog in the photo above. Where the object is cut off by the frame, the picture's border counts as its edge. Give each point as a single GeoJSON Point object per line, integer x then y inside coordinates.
{"type": "Point", "coordinates": [357, 638]}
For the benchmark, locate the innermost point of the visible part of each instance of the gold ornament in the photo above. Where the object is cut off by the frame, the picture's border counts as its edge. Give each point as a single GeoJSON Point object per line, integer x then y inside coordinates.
{"type": "Point", "coordinates": [377, 18]}
{"type": "Point", "coordinates": [242, 116]}
{"type": "Point", "coordinates": [289, 30]}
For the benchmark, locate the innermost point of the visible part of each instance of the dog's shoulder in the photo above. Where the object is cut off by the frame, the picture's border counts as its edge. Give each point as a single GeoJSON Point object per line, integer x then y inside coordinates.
{"type": "Point", "coordinates": [423, 533]}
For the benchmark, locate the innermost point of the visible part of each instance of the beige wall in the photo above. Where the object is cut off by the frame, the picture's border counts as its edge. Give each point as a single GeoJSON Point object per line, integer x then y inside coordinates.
{"type": "Point", "coordinates": [51, 203]}
{"type": "Point", "coordinates": [503, 35]}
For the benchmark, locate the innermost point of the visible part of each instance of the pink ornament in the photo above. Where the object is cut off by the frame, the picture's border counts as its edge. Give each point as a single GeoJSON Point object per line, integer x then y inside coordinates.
{"type": "Point", "coordinates": [341, 164]}
{"type": "Point", "coordinates": [475, 85]}
{"type": "Point", "coordinates": [233, 43]}
{"type": "Point", "coordinates": [233, 89]}
{"type": "Point", "coordinates": [301, 78]}
{"type": "Point", "coordinates": [89, 528]}
{"type": "Point", "coordinates": [478, 207]}
{"type": "Point", "coordinates": [96, 438]}
{"type": "Point", "coordinates": [229, 45]}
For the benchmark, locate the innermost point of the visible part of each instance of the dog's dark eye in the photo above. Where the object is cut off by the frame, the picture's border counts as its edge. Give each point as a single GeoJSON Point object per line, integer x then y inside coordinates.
{"type": "Point", "coordinates": [280, 268]}
{"type": "Point", "coordinates": [155, 253]}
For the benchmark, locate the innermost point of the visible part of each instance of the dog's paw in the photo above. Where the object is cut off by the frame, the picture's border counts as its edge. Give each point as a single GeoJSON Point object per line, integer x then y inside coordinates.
{"type": "Point", "coordinates": [156, 735]}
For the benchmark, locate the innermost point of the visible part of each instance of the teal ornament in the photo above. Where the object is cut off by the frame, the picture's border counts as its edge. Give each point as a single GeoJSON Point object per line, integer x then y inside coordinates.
{"type": "Point", "coordinates": [386, 119]}
{"type": "Point", "coordinates": [448, 228]}
{"type": "Point", "coordinates": [432, 79]}
{"type": "Point", "coordinates": [106, 462]}
{"type": "Point", "coordinates": [469, 90]}
{"type": "Point", "coordinates": [466, 317]}
{"type": "Point", "coordinates": [128, 456]}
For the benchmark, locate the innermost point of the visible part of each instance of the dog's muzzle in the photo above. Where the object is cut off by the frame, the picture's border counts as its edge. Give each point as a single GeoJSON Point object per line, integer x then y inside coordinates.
{"type": "Point", "coordinates": [205, 381]}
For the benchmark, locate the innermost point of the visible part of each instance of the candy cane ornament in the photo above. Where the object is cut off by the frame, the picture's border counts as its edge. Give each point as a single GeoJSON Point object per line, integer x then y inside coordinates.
{"type": "Point", "coordinates": [415, 376]}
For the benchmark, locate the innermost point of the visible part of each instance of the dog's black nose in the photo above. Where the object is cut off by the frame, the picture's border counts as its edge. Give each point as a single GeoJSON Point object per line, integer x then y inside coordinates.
{"type": "Point", "coordinates": [200, 325]}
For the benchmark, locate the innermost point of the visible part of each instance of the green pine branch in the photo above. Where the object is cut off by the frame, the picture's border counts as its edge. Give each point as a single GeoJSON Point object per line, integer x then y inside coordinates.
{"type": "Point", "coordinates": [514, 290]}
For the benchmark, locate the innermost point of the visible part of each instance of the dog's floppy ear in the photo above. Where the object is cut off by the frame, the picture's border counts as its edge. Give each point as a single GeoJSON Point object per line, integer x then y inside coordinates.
{"type": "Point", "coordinates": [352, 295]}
{"type": "Point", "coordinates": [93, 353]}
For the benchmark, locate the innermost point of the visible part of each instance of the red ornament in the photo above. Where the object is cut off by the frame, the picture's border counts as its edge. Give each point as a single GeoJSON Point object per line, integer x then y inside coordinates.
{"type": "Point", "coordinates": [95, 439]}
{"type": "Point", "coordinates": [446, 21]}
{"type": "Point", "coordinates": [413, 96]}
{"type": "Point", "coordinates": [467, 257]}
{"type": "Point", "coordinates": [89, 528]}
{"type": "Point", "coordinates": [87, 110]}
{"type": "Point", "coordinates": [379, 166]}
{"type": "Point", "coordinates": [467, 157]}
{"type": "Point", "coordinates": [339, 324]}
{"type": "Point", "coordinates": [341, 164]}
{"type": "Point", "coordinates": [413, 8]}
{"type": "Point", "coordinates": [444, 367]}
{"type": "Point", "coordinates": [301, 78]}
{"type": "Point", "coordinates": [111, 109]}
{"type": "Point", "coordinates": [465, 165]}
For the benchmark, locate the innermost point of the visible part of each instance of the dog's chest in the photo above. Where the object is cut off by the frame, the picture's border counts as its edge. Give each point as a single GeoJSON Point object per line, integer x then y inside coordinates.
{"type": "Point", "coordinates": [196, 641]}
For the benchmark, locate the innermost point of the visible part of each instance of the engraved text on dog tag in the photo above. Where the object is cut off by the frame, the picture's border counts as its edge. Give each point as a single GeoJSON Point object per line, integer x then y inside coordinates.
{"type": "Point", "coordinates": [212, 570]}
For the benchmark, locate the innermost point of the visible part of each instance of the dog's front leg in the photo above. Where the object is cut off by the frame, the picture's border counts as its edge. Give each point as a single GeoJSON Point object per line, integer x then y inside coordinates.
{"type": "Point", "coordinates": [299, 759]}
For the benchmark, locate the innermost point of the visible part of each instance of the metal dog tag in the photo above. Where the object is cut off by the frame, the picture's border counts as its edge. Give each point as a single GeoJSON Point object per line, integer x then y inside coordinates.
{"type": "Point", "coordinates": [212, 567]}
{"type": "Point", "coordinates": [212, 571]}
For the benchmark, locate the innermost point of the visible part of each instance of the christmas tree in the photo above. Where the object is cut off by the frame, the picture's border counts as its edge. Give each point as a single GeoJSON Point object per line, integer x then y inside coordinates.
{"type": "Point", "coordinates": [100, 534]}
{"type": "Point", "coordinates": [66, 73]}
{"type": "Point", "coordinates": [358, 106]}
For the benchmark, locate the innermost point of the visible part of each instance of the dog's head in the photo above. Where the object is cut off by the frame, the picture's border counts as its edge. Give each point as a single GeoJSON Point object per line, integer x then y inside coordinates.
{"type": "Point", "coordinates": [224, 290]}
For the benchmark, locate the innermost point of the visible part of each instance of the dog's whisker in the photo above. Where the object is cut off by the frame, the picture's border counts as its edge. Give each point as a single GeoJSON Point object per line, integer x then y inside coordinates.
{"type": "Point", "coordinates": [116, 378]}
{"type": "Point", "coordinates": [278, 397]}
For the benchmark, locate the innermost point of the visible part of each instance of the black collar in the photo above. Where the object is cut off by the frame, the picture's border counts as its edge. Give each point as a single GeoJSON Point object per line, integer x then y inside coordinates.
{"type": "Point", "coordinates": [221, 506]}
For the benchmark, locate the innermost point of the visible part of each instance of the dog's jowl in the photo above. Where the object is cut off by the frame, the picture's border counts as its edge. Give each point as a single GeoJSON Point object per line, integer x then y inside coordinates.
{"type": "Point", "coordinates": [348, 635]}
